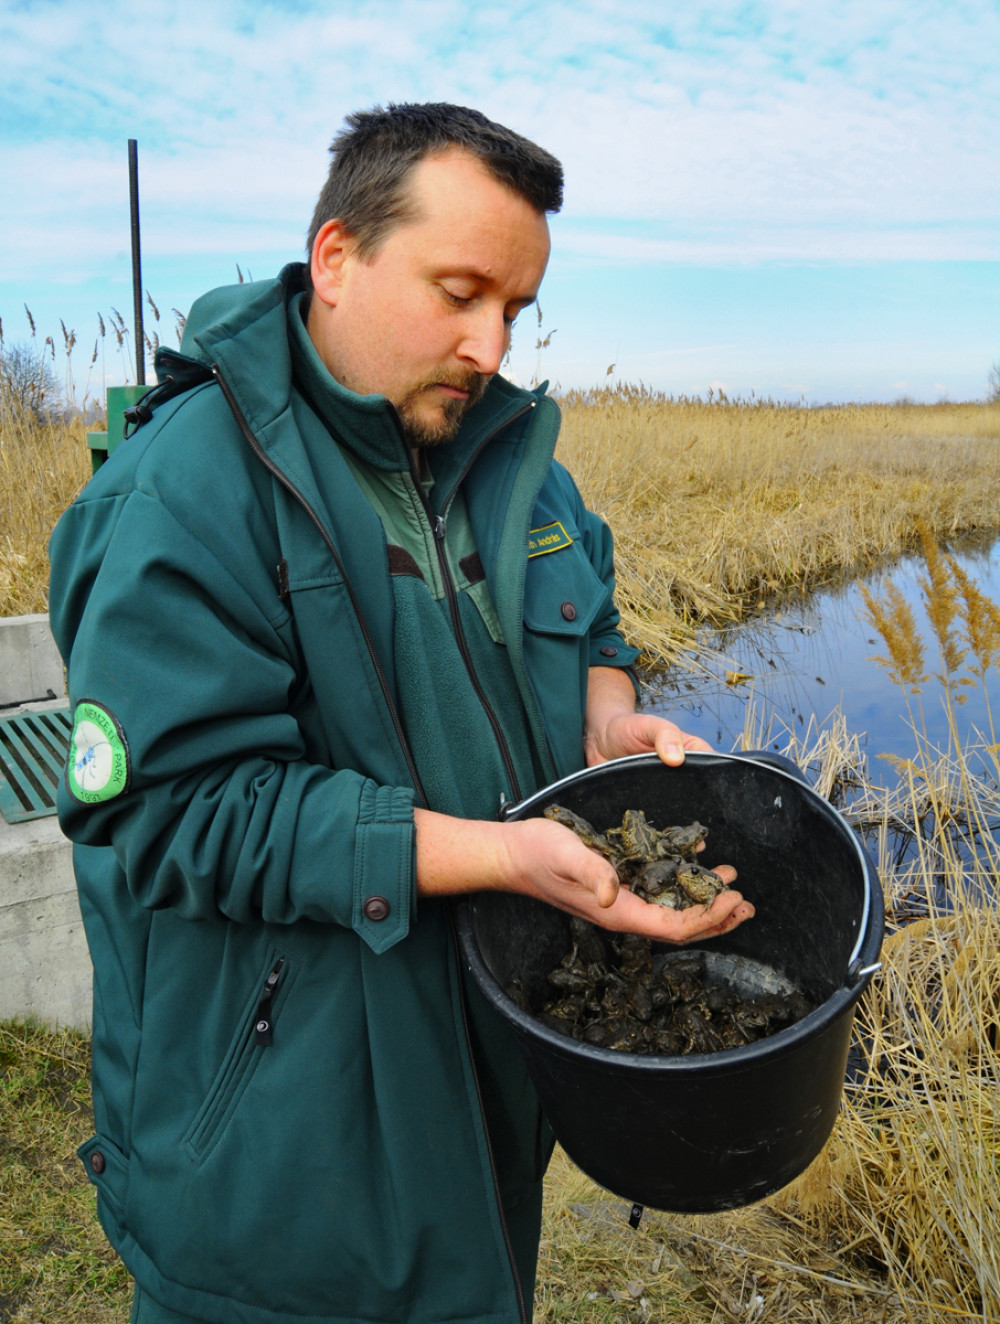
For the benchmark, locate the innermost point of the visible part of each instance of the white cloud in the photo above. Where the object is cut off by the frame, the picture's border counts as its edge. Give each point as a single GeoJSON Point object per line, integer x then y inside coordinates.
{"type": "Point", "coordinates": [753, 243]}
{"type": "Point", "coordinates": [736, 133]}
{"type": "Point", "coordinates": [875, 112]}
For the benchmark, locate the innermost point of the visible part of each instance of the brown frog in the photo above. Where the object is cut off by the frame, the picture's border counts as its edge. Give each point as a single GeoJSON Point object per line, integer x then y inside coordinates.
{"type": "Point", "coordinates": [588, 834]}
{"type": "Point", "coordinates": [657, 864]}
{"type": "Point", "coordinates": [638, 840]}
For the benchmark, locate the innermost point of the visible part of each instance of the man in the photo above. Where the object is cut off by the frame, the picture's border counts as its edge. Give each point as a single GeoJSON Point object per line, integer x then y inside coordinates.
{"type": "Point", "coordinates": [310, 652]}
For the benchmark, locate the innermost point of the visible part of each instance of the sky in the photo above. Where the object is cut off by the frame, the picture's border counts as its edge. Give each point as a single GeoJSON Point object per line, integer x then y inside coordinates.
{"type": "Point", "coordinates": [774, 198]}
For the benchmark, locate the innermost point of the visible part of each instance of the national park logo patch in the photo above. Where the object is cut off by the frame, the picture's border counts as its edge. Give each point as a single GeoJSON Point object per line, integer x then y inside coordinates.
{"type": "Point", "coordinates": [98, 767]}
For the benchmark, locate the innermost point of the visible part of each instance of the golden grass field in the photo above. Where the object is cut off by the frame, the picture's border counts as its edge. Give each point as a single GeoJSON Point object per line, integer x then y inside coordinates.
{"type": "Point", "coordinates": [716, 508]}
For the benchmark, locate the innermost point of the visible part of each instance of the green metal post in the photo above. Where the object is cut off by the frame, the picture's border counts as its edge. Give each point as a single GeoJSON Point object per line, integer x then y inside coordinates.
{"type": "Point", "coordinates": [118, 399]}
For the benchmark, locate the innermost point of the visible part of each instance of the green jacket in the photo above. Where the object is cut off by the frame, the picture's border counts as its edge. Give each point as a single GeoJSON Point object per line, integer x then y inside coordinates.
{"type": "Point", "coordinates": [288, 1107]}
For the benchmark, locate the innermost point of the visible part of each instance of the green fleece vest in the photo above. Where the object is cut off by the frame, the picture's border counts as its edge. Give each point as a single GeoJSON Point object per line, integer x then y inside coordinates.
{"type": "Point", "coordinates": [437, 685]}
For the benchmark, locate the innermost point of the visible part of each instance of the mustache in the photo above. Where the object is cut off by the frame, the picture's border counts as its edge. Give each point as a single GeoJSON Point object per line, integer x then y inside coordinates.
{"type": "Point", "coordinates": [475, 383]}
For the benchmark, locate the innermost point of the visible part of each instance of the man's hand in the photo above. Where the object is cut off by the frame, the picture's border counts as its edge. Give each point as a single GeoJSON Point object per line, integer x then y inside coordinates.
{"type": "Point", "coordinates": [545, 860]}
{"type": "Point", "coordinates": [614, 729]}
{"type": "Point", "coordinates": [639, 733]}
{"type": "Point", "coordinates": [550, 862]}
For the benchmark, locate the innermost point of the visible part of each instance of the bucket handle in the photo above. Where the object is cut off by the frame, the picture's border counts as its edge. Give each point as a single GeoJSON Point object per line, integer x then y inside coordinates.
{"type": "Point", "coordinates": [858, 972]}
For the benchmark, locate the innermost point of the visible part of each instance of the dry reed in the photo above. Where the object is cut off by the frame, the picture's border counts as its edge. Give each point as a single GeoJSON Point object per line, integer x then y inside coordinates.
{"type": "Point", "coordinates": [717, 507]}
{"type": "Point", "coordinates": [42, 467]}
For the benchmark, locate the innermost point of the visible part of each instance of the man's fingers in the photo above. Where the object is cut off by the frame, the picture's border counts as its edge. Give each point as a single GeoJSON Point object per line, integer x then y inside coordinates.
{"type": "Point", "coordinates": [607, 892]}
{"type": "Point", "coordinates": [726, 872]}
{"type": "Point", "coordinates": [630, 914]}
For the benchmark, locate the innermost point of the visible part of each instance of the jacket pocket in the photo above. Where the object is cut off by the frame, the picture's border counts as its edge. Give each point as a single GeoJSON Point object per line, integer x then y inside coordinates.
{"type": "Point", "coordinates": [563, 596]}
{"type": "Point", "coordinates": [563, 593]}
{"type": "Point", "coordinates": [253, 1037]}
{"type": "Point", "coordinates": [107, 1168]}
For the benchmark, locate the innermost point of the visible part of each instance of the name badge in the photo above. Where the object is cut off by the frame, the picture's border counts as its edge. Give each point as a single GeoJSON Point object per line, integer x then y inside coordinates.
{"type": "Point", "coordinates": [549, 538]}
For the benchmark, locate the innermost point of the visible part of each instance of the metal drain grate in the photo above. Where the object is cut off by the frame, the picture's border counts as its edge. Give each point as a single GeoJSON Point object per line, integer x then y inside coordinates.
{"type": "Point", "coordinates": [33, 750]}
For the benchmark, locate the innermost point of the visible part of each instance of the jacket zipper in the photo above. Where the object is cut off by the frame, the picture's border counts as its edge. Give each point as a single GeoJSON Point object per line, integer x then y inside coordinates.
{"type": "Point", "coordinates": [263, 1018]}
{"type": "Point", "coordinates": [290, 487]}
{"type": "Point", "coordinates": [439, 528]}
{"type": "Point", "coordinates": [263, 1021]}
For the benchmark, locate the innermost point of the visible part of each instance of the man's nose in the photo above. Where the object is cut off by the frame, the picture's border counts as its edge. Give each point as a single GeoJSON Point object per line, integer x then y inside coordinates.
{"type": "Point", "coordinates": [486, 341]}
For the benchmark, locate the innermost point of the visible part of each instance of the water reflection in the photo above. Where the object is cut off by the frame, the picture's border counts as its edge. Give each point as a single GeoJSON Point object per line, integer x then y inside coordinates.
{"type": "Point", "coordinates": [815, 657]}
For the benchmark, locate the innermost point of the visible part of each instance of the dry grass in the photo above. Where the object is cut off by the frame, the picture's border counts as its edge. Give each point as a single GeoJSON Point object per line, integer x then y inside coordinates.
{"type": "Point", "coordinates": [55, 1265]}
{"type": "Point", "coordinates": [42, 467]}
{"type": "Point", "coordinates": [717, 507]}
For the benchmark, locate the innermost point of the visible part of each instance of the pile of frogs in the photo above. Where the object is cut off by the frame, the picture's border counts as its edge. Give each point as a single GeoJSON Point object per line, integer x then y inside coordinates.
{"type": "Point", "coordinates": [620, 991]}
{"type": "Point", "coordinates": [658, 864]}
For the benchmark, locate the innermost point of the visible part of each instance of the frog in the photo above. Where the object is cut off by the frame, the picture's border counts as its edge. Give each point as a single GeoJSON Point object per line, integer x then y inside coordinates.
{"type": "Point", "coordinates": [639, 840]}
{"type": "Point", "coordinates": [657, 864]}
{"type": "Point", "coordinates": [700, 886]}
{"type": "Point", "coordinates": [587, 833]}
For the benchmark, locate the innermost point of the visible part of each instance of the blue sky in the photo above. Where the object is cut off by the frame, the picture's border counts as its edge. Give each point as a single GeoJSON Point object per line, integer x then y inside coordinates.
{"type": "Point", "coordinates": [797, 200]}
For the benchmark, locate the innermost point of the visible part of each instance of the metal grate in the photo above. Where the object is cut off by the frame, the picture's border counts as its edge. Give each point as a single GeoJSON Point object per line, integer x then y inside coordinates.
{"type": "Point", "coordinates": [33, 750]}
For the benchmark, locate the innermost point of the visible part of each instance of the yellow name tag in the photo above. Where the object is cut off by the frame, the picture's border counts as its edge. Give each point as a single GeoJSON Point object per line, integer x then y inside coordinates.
{"type": "Point", "coordinates": [549, 538]}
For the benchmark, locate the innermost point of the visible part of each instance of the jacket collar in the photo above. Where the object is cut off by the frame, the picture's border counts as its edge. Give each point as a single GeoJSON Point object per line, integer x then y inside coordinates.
{"type": "Point", "coordinates": [256, 335]}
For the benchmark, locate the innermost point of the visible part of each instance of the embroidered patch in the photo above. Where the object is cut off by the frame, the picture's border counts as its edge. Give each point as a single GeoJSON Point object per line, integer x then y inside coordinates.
{"type": "Point", "coordinates": [98, 767]}
{"type": "Point", "coordinates": [549, 538]}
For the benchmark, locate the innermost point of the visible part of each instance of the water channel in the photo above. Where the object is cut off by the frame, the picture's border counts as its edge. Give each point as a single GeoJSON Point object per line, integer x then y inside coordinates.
{"type": "Point", "coordinates": [813, 658]}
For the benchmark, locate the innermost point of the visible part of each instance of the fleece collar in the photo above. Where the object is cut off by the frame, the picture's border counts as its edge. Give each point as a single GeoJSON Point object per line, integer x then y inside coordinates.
{"type": "Point", "coordinates": [256, 334]}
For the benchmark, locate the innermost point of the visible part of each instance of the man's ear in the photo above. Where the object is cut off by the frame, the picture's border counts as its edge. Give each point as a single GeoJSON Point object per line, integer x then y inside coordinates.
{"type": "Point", "coordinates": [333, 245]}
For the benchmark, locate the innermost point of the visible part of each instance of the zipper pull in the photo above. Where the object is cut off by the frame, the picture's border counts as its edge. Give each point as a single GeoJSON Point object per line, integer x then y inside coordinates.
{"type": "Point", "coordinates": [262, 1019]}
{"type": "Point", "coordinates": [284, 589]}
{"type": "Point", "coordinates": [440, 528]}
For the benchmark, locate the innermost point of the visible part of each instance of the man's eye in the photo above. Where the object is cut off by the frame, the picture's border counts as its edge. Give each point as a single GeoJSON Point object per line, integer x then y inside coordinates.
{"type": "Point", "coordinates": [457, 300]}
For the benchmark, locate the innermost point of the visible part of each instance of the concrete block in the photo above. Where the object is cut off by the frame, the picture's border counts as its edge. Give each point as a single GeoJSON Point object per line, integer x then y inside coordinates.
{"type": "Point", "coordinates": [45, 969]}
{"type": "Point", "coordinates": [30, 665]}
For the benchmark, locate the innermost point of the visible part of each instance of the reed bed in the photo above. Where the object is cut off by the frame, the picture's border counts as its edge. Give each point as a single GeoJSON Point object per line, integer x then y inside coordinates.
{"type": "Point", "coordinates": [721, 506]}
{"type": "Point", "coordinates": [716, 506]}
{"type": "Point", "coordinates": [42, 467]}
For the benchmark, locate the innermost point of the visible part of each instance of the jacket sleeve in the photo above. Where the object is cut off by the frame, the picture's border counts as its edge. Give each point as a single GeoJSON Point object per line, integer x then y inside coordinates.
{"type": "Point", "coordinates": [219, 804]}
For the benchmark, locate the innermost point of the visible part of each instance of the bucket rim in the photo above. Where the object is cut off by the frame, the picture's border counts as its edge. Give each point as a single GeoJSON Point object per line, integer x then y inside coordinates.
{"type": "Point", "coordinates": [546, 794]}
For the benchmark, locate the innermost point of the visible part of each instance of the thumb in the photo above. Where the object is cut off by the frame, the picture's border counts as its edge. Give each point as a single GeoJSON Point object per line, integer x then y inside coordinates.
{"type": "Point", "coordinates": [607, 885]}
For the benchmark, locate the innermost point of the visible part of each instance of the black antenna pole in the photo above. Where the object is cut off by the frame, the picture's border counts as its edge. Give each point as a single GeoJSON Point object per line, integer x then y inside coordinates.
{"type": "Point", "coordinates": [133, 193]}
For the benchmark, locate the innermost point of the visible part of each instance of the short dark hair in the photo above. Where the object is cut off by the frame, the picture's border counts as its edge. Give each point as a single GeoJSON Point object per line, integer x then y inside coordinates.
{"type": "Point", "coordinates": [376, 150]}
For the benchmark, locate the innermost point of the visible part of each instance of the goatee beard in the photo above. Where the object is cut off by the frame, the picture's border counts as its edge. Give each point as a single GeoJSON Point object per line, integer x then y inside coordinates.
{"type": "Point", "coordinates": [418, 433]}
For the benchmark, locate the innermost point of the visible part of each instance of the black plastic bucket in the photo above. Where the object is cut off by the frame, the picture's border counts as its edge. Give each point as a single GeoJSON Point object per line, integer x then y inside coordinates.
{"type": "Point", "coordinates": [712, 1131]}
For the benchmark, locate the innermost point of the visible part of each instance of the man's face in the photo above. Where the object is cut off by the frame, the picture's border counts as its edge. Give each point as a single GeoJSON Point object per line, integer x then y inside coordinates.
{"type": "Point", "coordinates": [426, 322]}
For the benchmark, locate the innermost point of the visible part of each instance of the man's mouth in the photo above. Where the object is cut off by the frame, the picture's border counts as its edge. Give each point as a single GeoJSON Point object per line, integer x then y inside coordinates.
{"type": "Point", "coordinates": [466, 390]}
